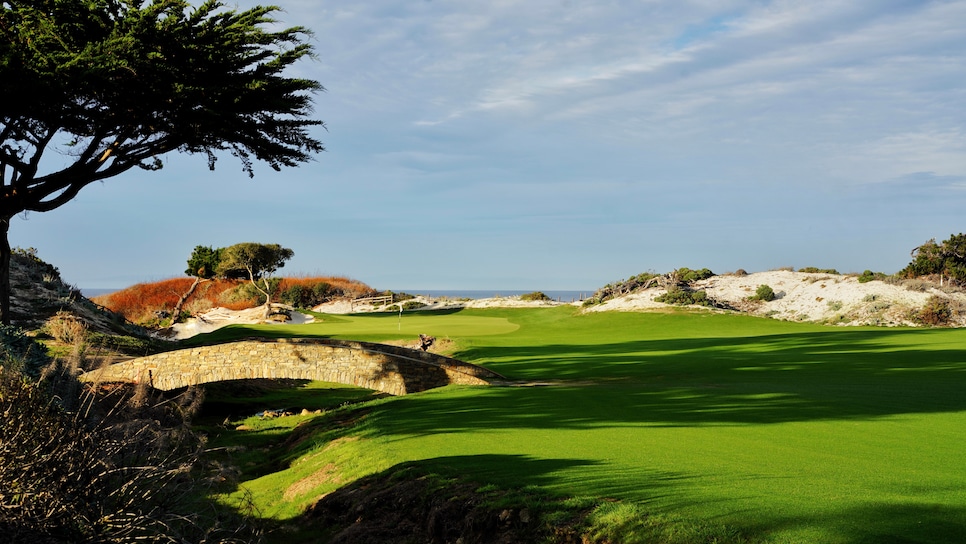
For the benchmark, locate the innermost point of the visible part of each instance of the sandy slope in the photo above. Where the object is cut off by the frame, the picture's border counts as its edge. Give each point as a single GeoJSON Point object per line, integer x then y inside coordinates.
{"type": "Point", "coordinates": [806, 297]}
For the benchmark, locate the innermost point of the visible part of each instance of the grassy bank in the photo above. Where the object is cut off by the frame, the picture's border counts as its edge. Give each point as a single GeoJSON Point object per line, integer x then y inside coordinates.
{"type": "Point", "coordinates": [711, 425]}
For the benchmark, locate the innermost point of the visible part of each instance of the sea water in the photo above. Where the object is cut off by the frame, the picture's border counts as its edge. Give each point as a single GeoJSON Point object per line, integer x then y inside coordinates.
{"type": "Point", "coordinates": [560, 295]}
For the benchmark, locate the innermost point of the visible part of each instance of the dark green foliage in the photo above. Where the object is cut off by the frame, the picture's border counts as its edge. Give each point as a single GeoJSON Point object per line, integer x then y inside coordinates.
{"type": "Point", "coordinates": [322, 291]}
{"type": "Point", "coordinates": [251, 260]}
{"type": "Point", "coordinates": [684, 297]}
{"type": "Point", "coordinates": [764, 293]}
{"type": "Point", "coordinates": [114, 85]}
{"type": "Point", "coordinates": [203, 262]}
{"type": "Point", "coordinates": [255, 262]}
{"type": "Point", "coordinates": [947, 258]}
{"type": "Point", "coordinates": [814, 270]}
{"type": "Point", "coordinates": [644, 277]}
{"type": "Point", "coordinates": [869, 275]}
{"type": "Point", "coordinates": [687, 275]}
{"type": "Point", "coordinates": [534, 296]}
{"type": "Point", "coordinates": [412, 305]}
{"type": "Point", "coordinates": [306, 296]}
{"type": "Point", "coordinates": [297, 296]}
{"type": "Point", "coordinates": [21, 352]}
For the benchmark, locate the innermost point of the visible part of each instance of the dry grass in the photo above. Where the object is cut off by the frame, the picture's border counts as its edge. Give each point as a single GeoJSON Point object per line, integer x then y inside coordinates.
{"type": "Point", "coordinates": [140, 303]}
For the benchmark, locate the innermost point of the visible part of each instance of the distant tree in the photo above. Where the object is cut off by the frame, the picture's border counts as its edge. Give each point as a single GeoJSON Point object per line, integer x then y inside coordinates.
{"type": "Point", "coordinates": [90, 89]}
{"type": "Point", "coordinates": [256, 263]}
{"type": "Point", "coordinates": [203, 266]}
{"type": "Point", "coordinates": [203, 262]}
{"type": "Point", "coordinates": [946, 259]}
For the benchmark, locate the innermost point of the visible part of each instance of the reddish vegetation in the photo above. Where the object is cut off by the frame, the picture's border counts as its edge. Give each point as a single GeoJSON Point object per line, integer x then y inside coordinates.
{"type": "Point", "coordinates": [140, 303]}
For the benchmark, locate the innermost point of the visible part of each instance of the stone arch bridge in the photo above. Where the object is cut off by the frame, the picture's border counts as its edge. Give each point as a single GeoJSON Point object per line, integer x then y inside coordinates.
{"type": "Point", "coordinates": [381, 367]}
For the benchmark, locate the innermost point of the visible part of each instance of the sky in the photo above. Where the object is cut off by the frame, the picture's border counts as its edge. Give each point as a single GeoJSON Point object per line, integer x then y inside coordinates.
{"type": "Point", "coordinates": [557, 144]}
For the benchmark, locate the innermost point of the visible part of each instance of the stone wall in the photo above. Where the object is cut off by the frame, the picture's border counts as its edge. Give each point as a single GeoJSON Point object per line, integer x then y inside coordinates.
{"type": "Point", "coordinates": [390, 369]}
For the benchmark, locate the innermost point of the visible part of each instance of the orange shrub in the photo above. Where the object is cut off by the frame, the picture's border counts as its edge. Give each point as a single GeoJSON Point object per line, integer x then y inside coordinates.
{"type": "Point", "coordinates": [139, 303]}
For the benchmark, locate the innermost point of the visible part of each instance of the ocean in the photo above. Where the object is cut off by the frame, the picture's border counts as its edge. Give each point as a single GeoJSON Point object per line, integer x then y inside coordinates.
{"type": "Point", "coordinates": [562, 296]}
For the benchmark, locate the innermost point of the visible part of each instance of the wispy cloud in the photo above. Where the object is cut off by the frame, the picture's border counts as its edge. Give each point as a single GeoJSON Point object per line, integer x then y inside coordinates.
{"type": "Point", "coordinates": [644, 122]}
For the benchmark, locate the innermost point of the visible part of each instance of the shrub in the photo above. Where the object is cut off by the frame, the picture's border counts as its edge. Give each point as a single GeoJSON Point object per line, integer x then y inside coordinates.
{"type": "Point", "coordinates": [321, 292]}
{"type": "Point", "coordinates": [243, 293]}
{"type": "Point", "coordinates": [834, 305]}
{"type": "Point", "coordinates": [684, 297]}
{"type": "Point", "coordinates": [920, 286]}
{"type": "Point", "coordinates": [297, 296]}
{"type": "Point", "coordinates": [66, 328]}
{"type": "Point", "coordinates": [687, 275]}
{"type": "Point", "coordinates": [764, 293]}
{"type": "Point", "coordinates": [935, 312]}
{"type": "Point", "coordinates": [814, 270]}
{"type": "Point", "coordinates": [740, 272]}
{"type": "Point", "coordinates": [869, 275]}
{"type": "Point", "coordinates": [644, 277]}
{"type": "Point", "coordinates": [535, 296]}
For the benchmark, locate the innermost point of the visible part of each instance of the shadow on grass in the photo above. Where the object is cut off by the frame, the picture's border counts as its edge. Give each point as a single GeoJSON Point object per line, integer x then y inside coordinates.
{"type": "Point", "coordinates": [881, 524]}
{"type": "Point", "coordinates": [743, 380]}
{"type": "Point", "coordinates": [446, 499]}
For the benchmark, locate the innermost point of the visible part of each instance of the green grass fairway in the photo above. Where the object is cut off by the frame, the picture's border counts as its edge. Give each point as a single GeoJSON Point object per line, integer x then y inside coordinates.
{"type": "Point", "coordinates": [784, 432]}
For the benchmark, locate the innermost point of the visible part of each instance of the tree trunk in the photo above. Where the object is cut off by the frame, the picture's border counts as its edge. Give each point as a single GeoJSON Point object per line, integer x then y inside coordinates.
{"type": "Point", "coordinates": [265, 291]}
{"type": "Point", "coordinates": [268, 299]}
{"type": "Point", "coordinates": [4, 271]}
{"type": "Point", "coordinates": [176, 313]}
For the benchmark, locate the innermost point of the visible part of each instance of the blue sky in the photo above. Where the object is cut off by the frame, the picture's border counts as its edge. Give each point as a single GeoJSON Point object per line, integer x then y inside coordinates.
{"type": "Point", "coordinates": [562, 145]}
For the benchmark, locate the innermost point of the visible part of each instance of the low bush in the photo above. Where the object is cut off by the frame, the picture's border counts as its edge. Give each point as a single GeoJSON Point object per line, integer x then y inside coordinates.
{"type": "Point", "coordinates": [834, 305]}
{"type": "Point", "coordinates": [936, 312]}
{"type": "Point", "coordinates": [688, 275]}
{"type": "Point", "coordinates": [814, 270]}
{"type": "Point", "coordinates": [920, 286]}
{"type": "Point", "coordinates": [684, 297]}
{"type": "Point", "coordinates": [869, 275]}
{"type": "Point", "coordinates": [764, 293]}
{"type": "Point", "coordinates": [535, 296]}
{"type": "Point", "coordinates": [66, 328]}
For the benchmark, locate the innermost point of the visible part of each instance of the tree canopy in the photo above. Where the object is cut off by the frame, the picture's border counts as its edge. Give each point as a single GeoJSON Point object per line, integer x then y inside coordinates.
{"type": "Point", "coordinates": [946, 259]}
{"type": "Point", "coordinates": [90, 89]}
{"type": "Point", "coordinates": [203, 262]}
{"type": "Point", "coordinates": [254, 262]}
